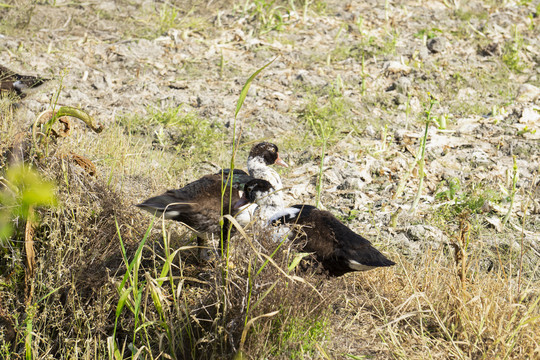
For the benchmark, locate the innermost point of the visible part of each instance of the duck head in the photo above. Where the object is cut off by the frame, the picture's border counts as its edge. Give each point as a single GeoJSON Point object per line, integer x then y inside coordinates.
{"type": "Point", "coordinates": [266, 153]}
{"type": "Point", "coordinates": [256, 191]}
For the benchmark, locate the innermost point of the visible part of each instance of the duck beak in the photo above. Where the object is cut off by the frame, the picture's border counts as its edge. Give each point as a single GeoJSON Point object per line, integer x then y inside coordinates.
{"type": "Point", "coordinates": [279, 161]}
{"type": "Point", "coordinates": [241, 202]}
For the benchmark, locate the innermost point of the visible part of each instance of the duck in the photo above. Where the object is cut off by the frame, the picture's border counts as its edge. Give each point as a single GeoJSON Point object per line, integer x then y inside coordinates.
{"type": "Point", "coordinates": [10, 81]}
{"type": "Point", "coordinates": [335, 246]}
{"type": "Point", "coordinates": [199, 204]}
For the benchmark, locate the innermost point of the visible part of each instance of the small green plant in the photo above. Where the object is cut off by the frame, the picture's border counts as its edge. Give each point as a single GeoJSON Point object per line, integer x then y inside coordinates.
{"type": "Point", "coordinates": [428, 33]}
{"type": "Point", "coordinates": [452, 191]}
{"type": "Point", "coordinates": [531, 26]}
{"type": "Point", "coordinates": [298, 337]}
{"type": "Point", "coordinates": [130, 296]}
{"type": "Point", "coordinates": [464, 199]}
{"type": "Point", "coordinates": [266, 14]}
{"type": "Point", "coordinates": [419, 160]}
{"type": "Point", "coordinates": [173, 128]}
{"type": "Point", "coordinates": [526, 130]}
{"type": "Point", "coordinates": [512, 190]}
{"type": "Point", "coordinates": [323, 122]}
{"type": "Point", "coordinates": [390, 43]}
{"type": "Point", "coordinates": [24, 189]}
{"type": "Point", "coordinates": [511, 52]}
{"type": "Point", "coordinates": [167, 18]}
{"type": "Point", "coordinates": [441, 121]}
{"type": "Point", "coordinates": [467, 15]}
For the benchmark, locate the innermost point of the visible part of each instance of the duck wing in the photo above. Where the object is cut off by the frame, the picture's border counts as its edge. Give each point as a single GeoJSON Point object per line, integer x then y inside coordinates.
{"type": "Point", "coordinates": [352, 252]}
{"type": "Point", "coordinates": [337, 247]}
{"type": "Point", "coordinates": [198, 204]}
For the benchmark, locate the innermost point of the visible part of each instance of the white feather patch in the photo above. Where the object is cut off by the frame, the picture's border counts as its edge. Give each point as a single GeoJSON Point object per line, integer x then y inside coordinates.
{"type": "Point", "coordinates": [259, 170]}
{"type": "Point", "coordinates": [170, 214]}
{"type": "Point", "coordinates": [288, 213]}
{"type": "Point", "coordinates": [355, 265]}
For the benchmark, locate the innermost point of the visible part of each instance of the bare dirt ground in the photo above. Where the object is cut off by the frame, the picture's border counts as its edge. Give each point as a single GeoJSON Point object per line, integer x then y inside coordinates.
{"type": "Point", "coordinates": [348, 96]}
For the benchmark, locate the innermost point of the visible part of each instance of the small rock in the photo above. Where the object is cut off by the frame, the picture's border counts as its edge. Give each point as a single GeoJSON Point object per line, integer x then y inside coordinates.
{"type": "Point", "coordinates": [405, 246]}
{"type": "Point", "coordinates": [252, 91]}
{"type": "Point", "coordinates": [299, 191]}
{"type": "Point", "coordinates": [239, 35]}
{"type": "Point", "coordinates": [466, 94]}
{"type": "Point", "coordinates": [402, 85]}
{"type": "Point", "coordinates": [495, 221]}
{"type": "Point", "coordinates": [425, 233]}
{"type": "Point", "coordinates": [528, 93]}
{"type": "Point", "coordinates": [351, 184]}
{"type": "Point", "coordinates": [423, 53]}
{"type": "Point", "coordinates": [436, 45]}
{"type": "Point", "coordinates": [400, 99]}
{"type": "Point", "coordinates": [530, 116]}
{"type": "Point", "coordinates": [492, 49]}
{"type": "Point", "coordinates": [395, 67]}
{"type": "Point", "coordinates": [99, 83]}
{"type": "Point", "coordinates": [310, 79]}
{"type": "Point", "coordinates": [479, 157]}
{"type": "Point", "coordinates": [370, 131]}
{"type": "Point", "coordinates": [399, 134]}
{"type": "Point", "coordinates": [202, 101]}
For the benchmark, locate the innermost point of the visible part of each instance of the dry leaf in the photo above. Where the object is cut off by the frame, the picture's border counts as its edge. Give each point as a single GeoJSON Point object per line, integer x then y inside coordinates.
{"type": "Point", "coordinates": [30, 256]}
{"type": "Point", "coordinates": [85, 163]}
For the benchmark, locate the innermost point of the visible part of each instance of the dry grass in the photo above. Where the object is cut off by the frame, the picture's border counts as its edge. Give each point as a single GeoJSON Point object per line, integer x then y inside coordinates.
{"type": "Point", "coordinates": [110, 284]}
{"type": "Point", "coordinates": [418, 309]}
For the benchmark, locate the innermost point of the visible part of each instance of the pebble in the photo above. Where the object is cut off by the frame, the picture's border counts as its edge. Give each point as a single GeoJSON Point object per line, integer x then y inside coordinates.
{"type": "Point", "coordinates": [436, 45]}
{"type": "Point", "coordinates": [395, 67]}
{"type": "Point", "coordinates": [402, 85]}
{"type": "Point", "coordinates": [528, 93]}
{"type": "Point", "coordinates": [369, 131]}
{"type": "Point", "coordinates": [530, 115]}
{"type": "Point", "coordinates": [425, 233]}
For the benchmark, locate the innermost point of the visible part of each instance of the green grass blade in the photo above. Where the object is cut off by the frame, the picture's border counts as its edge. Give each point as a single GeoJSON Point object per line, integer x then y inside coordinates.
{"type": "Point", "coordinates": [245, 89]}
{"type": "Point", "coordinates": [137, 253]}
{"type": "Point", "coordinates": [297, 260]}
{"type": "Point", "coordinates": [122, 301]}
{"type": "Point", "coordinates": [28, 341]}
{"type": "Point", "coordinates": [114, 353]}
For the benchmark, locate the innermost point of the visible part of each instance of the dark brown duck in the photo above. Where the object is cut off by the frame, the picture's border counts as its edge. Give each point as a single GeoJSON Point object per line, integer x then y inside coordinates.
{"type": "Point", "coordinates": [198, 204]}
{"type": "Point", "coordinates": [339, 249]}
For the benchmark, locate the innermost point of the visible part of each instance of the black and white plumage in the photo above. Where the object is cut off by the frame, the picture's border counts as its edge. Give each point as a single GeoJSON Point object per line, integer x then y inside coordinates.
{"type": "Point", "coordinates": [339, 249]}
{"type": "Point", "coordinates": [262, 155]}
{"type": "Point", "coordinates": [266, 199]}
{"type": "Point", "coordinates": [199, 204]}
{"type": "Point", "coordinates": [10, 81]}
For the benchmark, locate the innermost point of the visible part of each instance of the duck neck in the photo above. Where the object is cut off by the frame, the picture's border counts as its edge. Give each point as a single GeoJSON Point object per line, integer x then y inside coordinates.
{"type": "Point", "coordinates": [258, 169]}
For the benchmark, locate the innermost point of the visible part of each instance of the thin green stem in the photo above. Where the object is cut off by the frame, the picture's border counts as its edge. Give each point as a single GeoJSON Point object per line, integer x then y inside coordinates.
{"type": "Point", "coordinates": [421, 160]}
{"type": "Point", "coordinates": [513, 190]}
